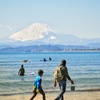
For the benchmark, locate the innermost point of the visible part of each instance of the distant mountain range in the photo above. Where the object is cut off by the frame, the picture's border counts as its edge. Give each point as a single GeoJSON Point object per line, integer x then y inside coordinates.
{"type": "Point", "coordinates": [38, 33]}
{"type": "Point", "coordinates": [37, 48]}
{"type": "Point", "coordinates": [39, 37]}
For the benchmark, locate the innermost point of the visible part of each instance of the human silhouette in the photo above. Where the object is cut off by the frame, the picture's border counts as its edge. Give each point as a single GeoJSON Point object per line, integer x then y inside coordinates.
{"type": "Point", "coordinates": [21, 71]}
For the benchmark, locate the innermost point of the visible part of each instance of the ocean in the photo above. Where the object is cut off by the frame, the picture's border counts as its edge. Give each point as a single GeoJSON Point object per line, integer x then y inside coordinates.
{"type": "Point", "coordinates": [83, 68]}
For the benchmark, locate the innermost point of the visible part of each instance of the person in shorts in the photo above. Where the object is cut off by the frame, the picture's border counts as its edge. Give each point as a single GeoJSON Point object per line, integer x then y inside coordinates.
{"type": "Point", "coordinates": [37, 86]}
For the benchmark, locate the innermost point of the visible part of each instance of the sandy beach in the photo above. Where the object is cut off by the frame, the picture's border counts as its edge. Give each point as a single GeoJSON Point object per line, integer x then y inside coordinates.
{"type": "Point", "coordinates": [83, 95]}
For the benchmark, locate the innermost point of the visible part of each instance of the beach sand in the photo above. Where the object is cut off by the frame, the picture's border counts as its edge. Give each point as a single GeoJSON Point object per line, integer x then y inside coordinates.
{"type": "Point", "coordinates": [82, 95]}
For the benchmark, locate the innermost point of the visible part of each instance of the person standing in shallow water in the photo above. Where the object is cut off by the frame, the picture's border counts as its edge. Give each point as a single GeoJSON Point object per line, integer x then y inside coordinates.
{"type": "Point", "coordinates": [62, 82]}
{"type": "Point", "coordinates": [21, 71]}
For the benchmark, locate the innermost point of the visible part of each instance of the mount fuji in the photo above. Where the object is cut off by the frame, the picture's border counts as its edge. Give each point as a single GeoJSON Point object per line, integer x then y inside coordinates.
{"type": "Point", "coordinates": [40, 37]}
{"type": "Point", "coordinates": [33, 32]}
{"type": "Point", "coordinates": [39, 33]}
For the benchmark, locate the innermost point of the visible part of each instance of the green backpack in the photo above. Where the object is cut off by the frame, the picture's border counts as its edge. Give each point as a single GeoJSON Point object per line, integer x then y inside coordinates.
{"type": "Point", "coordinates": [58, 74]}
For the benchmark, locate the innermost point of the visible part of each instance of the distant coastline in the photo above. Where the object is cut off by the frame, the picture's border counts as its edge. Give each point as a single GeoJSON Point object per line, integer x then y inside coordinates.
{"type": "Point", "coordinates": [71, 51]}
{"type": "Point", "coordinates": [50, 48]}
{"type": "Point", "coordinates": [53, 51]}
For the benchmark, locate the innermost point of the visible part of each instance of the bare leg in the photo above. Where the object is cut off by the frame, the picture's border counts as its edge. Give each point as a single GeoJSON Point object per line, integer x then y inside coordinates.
{"type": "Point", "coordinates": [34, 95]}
{"type": "Point", "coordinates": [43, 94]}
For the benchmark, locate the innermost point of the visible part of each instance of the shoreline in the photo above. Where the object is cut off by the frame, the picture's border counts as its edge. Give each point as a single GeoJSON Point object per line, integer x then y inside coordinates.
{"type": "Point", "coordinates": [68, 91]}
{"type": "Point", "coordinates": [96, 50]}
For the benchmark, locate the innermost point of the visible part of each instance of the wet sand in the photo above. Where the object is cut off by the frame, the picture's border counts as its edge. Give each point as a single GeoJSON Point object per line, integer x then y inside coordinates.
{"type": "Point", "coordinates": [75, 95]}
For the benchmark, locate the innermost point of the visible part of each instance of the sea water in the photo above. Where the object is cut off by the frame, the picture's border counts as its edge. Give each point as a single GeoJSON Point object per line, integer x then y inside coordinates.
{"type": "Point", "coordinates": [83, 68]}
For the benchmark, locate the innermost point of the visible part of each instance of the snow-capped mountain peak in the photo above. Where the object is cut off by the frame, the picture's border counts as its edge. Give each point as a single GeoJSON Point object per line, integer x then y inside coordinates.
{"type": "Point", "coordinates": [32, 32]}
{"type": "Point", "coordinates": [39, 33]}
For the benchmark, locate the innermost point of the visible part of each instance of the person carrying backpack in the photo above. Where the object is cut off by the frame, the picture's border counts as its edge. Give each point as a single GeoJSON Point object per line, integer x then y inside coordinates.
{"type": "Point", "coordinates": [60, 76]}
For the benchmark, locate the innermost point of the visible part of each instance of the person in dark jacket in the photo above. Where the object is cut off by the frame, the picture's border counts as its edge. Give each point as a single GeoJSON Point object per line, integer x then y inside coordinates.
{"type": "Point", "coordinates": [62, 83]}
{"type": "Point", "coordinates": [21, 71]}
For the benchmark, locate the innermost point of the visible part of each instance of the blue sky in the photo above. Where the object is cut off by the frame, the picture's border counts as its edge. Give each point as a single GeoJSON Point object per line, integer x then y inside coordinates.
{"type": "Point", "coordinates": [80, 18]}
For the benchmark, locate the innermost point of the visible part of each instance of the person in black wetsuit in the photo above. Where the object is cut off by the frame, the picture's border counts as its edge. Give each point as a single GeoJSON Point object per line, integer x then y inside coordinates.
{"type": "Point", "coordinates": [21, 71]}
{"type": "Point", "coordinates": [44, 59]}
{"type": "Point", "coordinates": [50, 58]}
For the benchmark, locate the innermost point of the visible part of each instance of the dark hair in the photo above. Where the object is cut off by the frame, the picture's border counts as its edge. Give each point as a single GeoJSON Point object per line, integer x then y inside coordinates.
{"type": "Point", "coordinates": [40, 72]}
{"type": "Point", "coordinates": [21, 65]}
{"type": "Point", "coordinates": [63, 62]}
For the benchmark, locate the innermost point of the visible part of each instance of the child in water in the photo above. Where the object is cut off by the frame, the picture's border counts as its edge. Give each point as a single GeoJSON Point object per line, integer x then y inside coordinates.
{"type": "Point", "coordinates": [37, 85]}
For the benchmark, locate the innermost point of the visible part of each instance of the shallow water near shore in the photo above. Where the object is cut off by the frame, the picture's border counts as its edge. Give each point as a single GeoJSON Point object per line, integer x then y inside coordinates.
{"type": "Point", "coordinates": [83, 67]}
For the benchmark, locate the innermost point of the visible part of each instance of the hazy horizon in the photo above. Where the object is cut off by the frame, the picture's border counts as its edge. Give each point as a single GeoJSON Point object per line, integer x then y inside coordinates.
{"type": "Point", "coordinates": [80, 18]}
